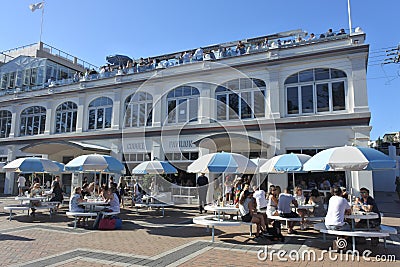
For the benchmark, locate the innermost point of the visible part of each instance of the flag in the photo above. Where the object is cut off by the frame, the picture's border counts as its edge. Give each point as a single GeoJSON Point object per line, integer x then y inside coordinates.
{"type": "Point", "coordinates": [33, 7]}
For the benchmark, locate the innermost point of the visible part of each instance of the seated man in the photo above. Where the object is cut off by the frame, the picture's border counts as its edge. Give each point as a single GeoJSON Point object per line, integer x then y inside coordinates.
{"type": "Point", "coordinates": [74, 202]}
{"type": "Point", "coordinates": [368, 204]}
{"type": "Point", "coordinates": [337, 208]}
{"type": "Point", "coordinates": [285, 210]}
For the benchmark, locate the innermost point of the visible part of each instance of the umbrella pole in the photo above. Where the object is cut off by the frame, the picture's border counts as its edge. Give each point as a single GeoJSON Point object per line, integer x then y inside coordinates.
{"type": "Point", "coordinates": [293, 181]}
{"type": "Point", "coordinates": [223, 186]}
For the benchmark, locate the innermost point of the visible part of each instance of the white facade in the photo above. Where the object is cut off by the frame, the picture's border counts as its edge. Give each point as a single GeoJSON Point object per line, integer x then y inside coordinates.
{"type": "Point", "coordinates": [201, 124]}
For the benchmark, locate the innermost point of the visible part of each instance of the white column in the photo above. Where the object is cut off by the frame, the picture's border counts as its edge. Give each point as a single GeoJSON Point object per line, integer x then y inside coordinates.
{"type": "Point", "coordinates": [274, 93]}
{"type": "Point", "coordinates": [14, 131]}
{"type": "Point", "coordinates": [206, 107]}
{"type": "Point", "coordinates": [115, 120]}
{"type": "Point", "coordinates": [10, 181]}
{"type": "Point", "coordinates": [49, 118]}
{"type": "Point", "coordinates": [80, 115]}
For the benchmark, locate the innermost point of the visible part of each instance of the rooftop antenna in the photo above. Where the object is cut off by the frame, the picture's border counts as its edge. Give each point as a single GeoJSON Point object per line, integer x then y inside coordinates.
{"type": "Point", "coordinates": [349, 14]}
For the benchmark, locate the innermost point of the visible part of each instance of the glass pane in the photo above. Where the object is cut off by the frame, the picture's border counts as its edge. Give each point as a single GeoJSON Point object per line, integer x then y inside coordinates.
{"type": "Point", "coordinates": [108, 117]}
{"type": "Point", "coordinates": [292, 100]}
{"type": "Point", "coordinates": [171, 111]}
{"type": "Point", "coordinates": [337, 74]}
{"type": "Point", "coordinates": [22, 128]}
{"type": "Point", "coordinates": [307, 99]}
{"type": "Point", "coordinates": [128, 118]}
{"type": "Point", "coordinates": [36, 125]}
{"type": "Point", "coordinates": [245, 105]}
{"type": "Point", "coordinates": [149, 114]}
{"type": "Point", "coordinates": [321, 74]}
{"type": "Point", "coordinates": [42, 123]}
{"type": "Point", "coordinates": [142, 114]}
{"type": "Point", "coordinates": [58, 123]}
{"type": "Point", "coordinates": [194, 155]}
{"type": "Point", "coordinates": [233, 85]}
{"type": "Point", "coordinates": [233, 106]}
{"type": "Point", "coordinates": [292, 79]}
{"type": "Point", "coordinates": [135, 115]}
{"type": "Point", "coordinates": [322, 97]}
{"type": "Point", "coordinates": [183, 112]}
{"type": "Point", "coordinates": [259, 104]}
{"type": "Point", "coordinates": [64, 122]}
{"type": "Point", "coordinates": [338, 96]}
{"type": "Point", "coordinates": [193, 107]}
{"type": "Point", "coordinates": [306, 75]}
{"type": "Point", "coordinates": [92, 119]}
{"type": "Point", "coordinates": [221, 107]}
{"type": "Point", "coordinates": [74, 116]}
{"type": "Point", "coordinates": [100, 119]}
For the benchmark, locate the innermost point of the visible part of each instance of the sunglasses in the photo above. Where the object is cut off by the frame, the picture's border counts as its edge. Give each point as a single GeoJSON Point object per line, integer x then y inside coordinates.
{"type": "Point", "coordinates": [363, 193]}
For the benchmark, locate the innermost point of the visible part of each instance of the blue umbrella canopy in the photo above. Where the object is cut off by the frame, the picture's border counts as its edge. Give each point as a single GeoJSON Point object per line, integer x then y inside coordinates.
{"type": "Point", "coordinates": [285, 163]}
{"type": "Point", "coordinates": [222, 162]}
{"type": "Point", "coordinates": [95, 163]}
{"type": "Point", "coordinates": [31, 164]}
{"type": "Point", "coordinates": [154, 167]}
{"type": "Point", "coordinates": [349, 158]}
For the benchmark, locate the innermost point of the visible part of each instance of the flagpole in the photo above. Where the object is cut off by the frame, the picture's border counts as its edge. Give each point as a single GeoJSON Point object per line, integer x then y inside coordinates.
{"type": "Point", "coordinates": [41, 24]}
{"type": "Point", "coordinates": [349, 14]}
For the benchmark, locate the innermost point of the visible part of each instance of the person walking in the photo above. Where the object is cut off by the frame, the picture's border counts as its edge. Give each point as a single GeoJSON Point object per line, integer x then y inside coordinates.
{"type": "Point", "coordinates": [202, 188]}
{"type": "Point", "coordinates": [21, 184]}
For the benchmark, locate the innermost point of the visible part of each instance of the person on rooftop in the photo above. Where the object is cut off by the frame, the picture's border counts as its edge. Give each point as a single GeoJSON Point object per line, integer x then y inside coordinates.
{"type": "Point", "coordinates": [341, 32]}
{"type": "Point", "coordinates": [198, 54]}
{"type": "Point", "coordinates": [329, 33]}
{"type": "Point", "coordinates": [240, 48]}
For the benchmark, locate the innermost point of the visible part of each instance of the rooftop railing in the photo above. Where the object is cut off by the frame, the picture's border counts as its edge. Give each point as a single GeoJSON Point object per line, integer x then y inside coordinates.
{"type": "Point", "coordinates": [251, 46]}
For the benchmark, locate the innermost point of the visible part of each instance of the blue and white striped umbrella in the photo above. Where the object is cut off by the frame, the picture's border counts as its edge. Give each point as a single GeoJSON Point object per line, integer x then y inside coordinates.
{"type": "Point", "coordinates": [154, 167]}
{"type": "Point", "coordinates": [222, 162]}
{"type": "Point", "coordinates": [31, 165]}
{"type": "Point", "coordinates": [285, 163]}
{"type": "Point", "coordinates": [349, 158]}
{"type": "Point", "coordinates": [95, 163]}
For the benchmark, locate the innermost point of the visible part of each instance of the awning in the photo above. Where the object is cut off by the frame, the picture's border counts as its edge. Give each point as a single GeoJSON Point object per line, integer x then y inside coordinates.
{"type": "Point", "coordinates": [52, 147]}
{"type": "Point", "coordinates": [228, 141]}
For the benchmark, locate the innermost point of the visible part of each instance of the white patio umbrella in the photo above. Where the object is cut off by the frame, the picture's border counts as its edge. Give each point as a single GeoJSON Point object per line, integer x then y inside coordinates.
{"type": "Point", "coordinates": [95, 163]}
{"type": "Point", "coordinates": [33, 165]}
{"type": "Point", "coordinates": [349, 158]}
{"type": "Point", "coordinates": [259, 162]}
{"type": "Point", "coordinates": [222, 162]}
{"type": "Point", "coordinates": [286, 163]}
{"type": "Point", "coordinates": [154, 167]}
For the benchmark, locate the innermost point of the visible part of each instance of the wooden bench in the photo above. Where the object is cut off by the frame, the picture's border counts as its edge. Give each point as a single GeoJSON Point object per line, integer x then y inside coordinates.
{"type": "Point", "coordinates": [353, 234]}
{"type": "Point", "coordinates": [80, 214]}
{"type": "Point", "coordinates": [16, 207]}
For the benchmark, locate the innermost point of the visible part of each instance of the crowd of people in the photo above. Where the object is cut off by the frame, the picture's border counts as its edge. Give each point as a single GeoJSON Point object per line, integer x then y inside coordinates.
{"type": "Point", "coordinates": [201, 54]}
{"type": "Point", "coordinates": [257, 206]}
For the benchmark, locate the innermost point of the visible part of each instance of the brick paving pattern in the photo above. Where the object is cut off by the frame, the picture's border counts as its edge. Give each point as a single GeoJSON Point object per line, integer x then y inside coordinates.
{"type": "Point", "coordinates": [148, 239]}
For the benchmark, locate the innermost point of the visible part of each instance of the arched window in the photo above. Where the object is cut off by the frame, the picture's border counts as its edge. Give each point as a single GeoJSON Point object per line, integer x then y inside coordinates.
{"type": "Point", "coordinates": [138, 110]}
{"type": "Point", "coordinates": [100, 111]}
{"type": "Point", "coordinates": [316, 90]}
{"type": "Point", "coordinates": [182, 104]}
{"type": "Point", "coordinates": [242, 98]}
{"type": "Point", "coordinates": [5, 123]}
{"type": "Point", "coordinates": [33, 121]}
{"type": "Point", "coordinates": [66, 117]}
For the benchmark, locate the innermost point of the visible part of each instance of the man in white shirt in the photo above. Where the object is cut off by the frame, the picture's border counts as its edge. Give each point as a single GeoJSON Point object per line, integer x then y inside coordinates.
{"type": "Point", "coordinates": [285, 210]}
{"type": "Point", "coordinates": [337, 208]}
{"type": "Point", "coordinates": [21, 184]}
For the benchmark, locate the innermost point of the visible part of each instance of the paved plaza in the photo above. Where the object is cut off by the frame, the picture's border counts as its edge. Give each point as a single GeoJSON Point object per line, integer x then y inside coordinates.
{"type": "Point", "coordinates": [148, 239]}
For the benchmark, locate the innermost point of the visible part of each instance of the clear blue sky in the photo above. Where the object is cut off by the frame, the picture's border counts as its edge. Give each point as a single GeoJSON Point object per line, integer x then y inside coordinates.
{"type": "Point", "coordinates": [92, 30]}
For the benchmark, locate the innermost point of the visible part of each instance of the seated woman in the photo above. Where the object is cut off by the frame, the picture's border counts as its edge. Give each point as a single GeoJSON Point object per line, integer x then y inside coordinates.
{"type": "Point", "coordinates": [74, 201]}
{"type": "Point", "coordinates": [57, 193]}
{"type": "Point", "coordinates": [272, 207]}
{"type": "Point", "coordinates": [35, 191]}
{"type": "Point", "coordinates": [113, 200]}
{"type": "Point", "coordinates": [318, 202]}
{"type": "Point", "coordinates": [248, 212]}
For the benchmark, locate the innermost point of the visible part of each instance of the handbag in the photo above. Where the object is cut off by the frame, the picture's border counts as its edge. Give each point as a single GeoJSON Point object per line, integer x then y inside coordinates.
{"type": "Point", "coordinates": [107, 224]}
